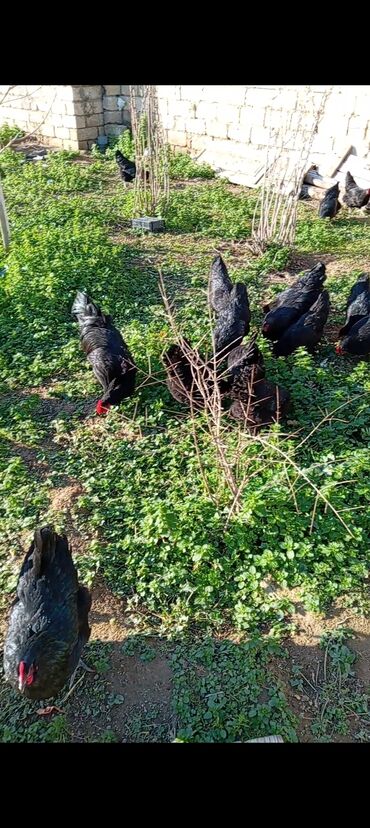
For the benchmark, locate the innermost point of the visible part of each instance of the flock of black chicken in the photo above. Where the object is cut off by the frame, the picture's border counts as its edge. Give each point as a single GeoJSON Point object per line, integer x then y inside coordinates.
{"type": "Point", "coordinates": [48, 625]}
{"type": "Point", "coordinates": [354, 197]}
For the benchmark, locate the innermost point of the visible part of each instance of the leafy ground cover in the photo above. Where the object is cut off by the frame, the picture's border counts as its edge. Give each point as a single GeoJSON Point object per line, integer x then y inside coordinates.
{"type": "Point", "coordinates": [198, 619]}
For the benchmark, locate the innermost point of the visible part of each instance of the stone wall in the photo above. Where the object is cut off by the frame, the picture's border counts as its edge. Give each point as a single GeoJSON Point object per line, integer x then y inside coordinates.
{"type": "Point", "coordinates": [230, 125]}
{"type": "Point", "coordinates": [46, 111]}
{"type": "Point", "coordinates": [226, 126]}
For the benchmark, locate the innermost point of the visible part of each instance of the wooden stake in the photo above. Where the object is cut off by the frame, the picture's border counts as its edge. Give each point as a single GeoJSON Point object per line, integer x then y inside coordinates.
{"type": "Point", "coordinates": [5, 232]}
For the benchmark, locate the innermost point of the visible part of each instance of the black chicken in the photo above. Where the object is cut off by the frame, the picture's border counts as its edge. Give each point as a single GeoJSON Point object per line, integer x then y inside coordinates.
{"type": "Point", "coordinates": [357, 341]}
{"type": "Point", "coordinates": [307, 330]}
{"type": "Point", "coordinates": [233, 321]}
{"type": "Point", "coordinates": [329, 206]}
{"type": "Point", "coordinates": [244, 365]}
{"type": "Point", "coordinates": [260, 404]}
{"type": "Point", "coordinates": [181, 381]}
{"type": "Point", "coordinates": [358, 304]}
{"type": "Point", "coordinates": [355, 196]}
{"type": "Point", "coordinates": [256, 401]}
{"type": "Point", "coordinates": [220, 285]}
{"type": "Point", "coordinates": [127, 168]}
{"type": "Point", "coordinates": [48, 625]}
{"type": "Point", "coordinates": [106, 352]}
{"type": "Point", "coordinates": [293, 302]}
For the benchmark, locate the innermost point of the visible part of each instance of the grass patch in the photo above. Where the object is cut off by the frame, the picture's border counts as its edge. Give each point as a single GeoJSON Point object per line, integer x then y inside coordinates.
{"type": "Point", "coordinates": [152, 530]}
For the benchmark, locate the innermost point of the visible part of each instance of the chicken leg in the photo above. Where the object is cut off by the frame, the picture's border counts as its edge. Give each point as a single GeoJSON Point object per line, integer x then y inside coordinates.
{"type": "Point", "coordinates": [84, 667]}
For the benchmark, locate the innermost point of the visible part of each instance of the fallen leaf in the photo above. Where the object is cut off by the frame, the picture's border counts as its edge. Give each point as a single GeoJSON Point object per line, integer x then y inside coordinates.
{"type": "Point", "coordinates": [46, 711]}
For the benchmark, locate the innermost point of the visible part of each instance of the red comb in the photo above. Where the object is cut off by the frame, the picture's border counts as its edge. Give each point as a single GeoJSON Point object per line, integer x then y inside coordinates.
{"type": "Point", "coordinates": [101, 408]}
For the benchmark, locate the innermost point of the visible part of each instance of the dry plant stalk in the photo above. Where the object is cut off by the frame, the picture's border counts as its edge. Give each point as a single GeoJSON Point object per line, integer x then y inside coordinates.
{"type": "Point", "coordinates": [152, 184]}
{"type": "Point", "coordinates": [287, 156]}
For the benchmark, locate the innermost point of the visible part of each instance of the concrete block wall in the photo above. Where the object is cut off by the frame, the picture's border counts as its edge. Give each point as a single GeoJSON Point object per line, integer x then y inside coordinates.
{"type": "Point", "coordinates": [225, 126]}
{"type": "Point", "coordinates": [230, 125]}
{"type": "Point", "coordinates": [46, 111]}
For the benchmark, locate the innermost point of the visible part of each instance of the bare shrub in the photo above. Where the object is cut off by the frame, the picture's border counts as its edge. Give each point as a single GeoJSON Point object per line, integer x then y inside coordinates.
{"type": "Point", "coordinates": [287, 158]}
{"type": "Point", "coordinates": [151, 158]}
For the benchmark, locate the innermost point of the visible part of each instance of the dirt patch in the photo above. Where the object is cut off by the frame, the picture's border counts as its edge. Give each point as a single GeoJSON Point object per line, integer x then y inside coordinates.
{"type": "Point", "coordinates": [63, 497]}
{"type": "Point", "coordinates": [142, 686]}
{"type": "Point", "coordinates": [304, 650]}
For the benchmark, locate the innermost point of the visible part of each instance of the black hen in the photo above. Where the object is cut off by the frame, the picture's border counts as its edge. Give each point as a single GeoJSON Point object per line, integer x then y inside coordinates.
{"type": "Point", "coordinates": [267, 404]}
{"type": "Point", "coordinates": [293, 302]}
{"type": "Point", "coordinates": [233, 321]}
{"type": "Point", "coordinates": [127, 168]}
{"type": "Point", "coordinates": [220, 285]}
{"type": "Point", "coordinates": [48, 625]}
{"type": "Point", "coordinates": [355, 196]}
{"type": "Point", "coordinates": [106, 352]}
{"type": "Point", "coordinates": [358, 304]}
{"type": "Point", "coordinates": [308, 329]}
{"type": "Point", "coordinates": [357, 341]}
{"type": "Point", "coordinates": [256, 401]}
{"type": "Point", "coordinates": [181, 378]}
{"type": "Point", "coordinates": [245, 365]}
{"type": "Point", "coordinates": [329, 206]}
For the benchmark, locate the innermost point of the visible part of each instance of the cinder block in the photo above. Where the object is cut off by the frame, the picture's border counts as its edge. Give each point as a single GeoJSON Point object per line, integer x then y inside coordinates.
{"type": "Point", "coordinates": [67, 93]}
{"type": "Point", "coordinates": [171, 92]}
{"type": "Point", "coordinates": [44, 104]}
{"type": "Point", "coordinates": [61, 132]}
{"type": "Point", "coordinates": [94, 120]}
{"type": "Point", "coordinates": [168, 122]}
{"type": "Point", "coordinates": [90, 92]}
{"type": "Point", "coordinates": [181, 109]}
{"type": "Point", "coordinates": [69, 121]}
{"type": "Point", "coordinates": [241, 134]}
{"type": "Point", "coordinates": [113, 117]}
{"type": "Point", "coordinates": [259, 96]}
{"type": "Point", "coordinates": [178, 139]}
{"type": "Point", "coordinates": [81, 122]}
{"type": "Point", "coordinates": [58, 108]}
{"type": "Point", "coordinates": [71, 145]}
{"type": "Point", "coordinates": [111, 129]}
{"type": "Point", "coordinates": [207, 110]}
{"type": "Point", "coordinates": [260, 135]}
{"type": "Point", "coordinates": [48, 130]}
{"type": "Point", "coordinates": [86, 134]}
{"type": "Point", "coordinates": [112, 90]}
{"type": "Point", "coordinates": [195, 125]}
{"type": "Point", "coordinates": [110, 102]}
{"type": "Point", "coordinates": [217, 129]}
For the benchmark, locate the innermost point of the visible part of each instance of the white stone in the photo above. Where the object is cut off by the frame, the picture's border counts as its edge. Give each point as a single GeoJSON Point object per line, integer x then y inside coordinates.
{"type": "Point", "coordinates": [217, 129]}
{"type": "Point", "coordinates": [241, 134]}
{"type": "Point", "coordinates": [69, 121]}
{"type": "Point", "coordinates": [169, 91]}
{"type": "Point", "coordinates": [61, 132]}
{"type": "Point", "coordinates": [196, 125]}
{"type": "Point", "coordinates": [182, 109]}
{"type": "Point", "coordinates": [260, 135]}
{"type": "Point", "coordinates": [177, 139]}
